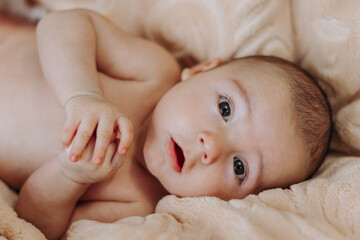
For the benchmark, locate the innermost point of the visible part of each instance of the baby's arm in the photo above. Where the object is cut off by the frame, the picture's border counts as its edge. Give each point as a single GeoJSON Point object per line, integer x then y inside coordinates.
{"type": "Point", "coordinates": [48, 198]}
{"type": "Point", "coordinates": [67, 45]}
{"type": "Point", "coordinates": [73, 45]}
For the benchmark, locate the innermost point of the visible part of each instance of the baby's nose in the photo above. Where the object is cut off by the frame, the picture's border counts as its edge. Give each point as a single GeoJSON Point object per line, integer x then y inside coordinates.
{"type": "Point", "coordinates": [210, 147]}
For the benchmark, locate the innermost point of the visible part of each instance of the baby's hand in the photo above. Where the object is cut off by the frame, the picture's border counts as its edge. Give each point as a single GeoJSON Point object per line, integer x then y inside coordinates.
{"type": "Point", "coordinates": [86, 113]}
{"type": "Point", "coordinates": [84, 171]}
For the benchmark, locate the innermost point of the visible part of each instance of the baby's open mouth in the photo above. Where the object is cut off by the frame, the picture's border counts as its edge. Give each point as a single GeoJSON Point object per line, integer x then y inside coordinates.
{"type": "Point", "coordinates": [179, 155]}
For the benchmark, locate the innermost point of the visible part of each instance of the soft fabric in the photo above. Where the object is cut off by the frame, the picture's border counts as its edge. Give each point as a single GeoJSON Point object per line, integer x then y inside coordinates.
{"type": "Point", "coordinates": [327, 37]}
{"type": "Point", "coordinates": [323, 36]}
{"type": "Point", "coordinates": [12, 227]}
{"type": "Point", "coordinates": [196, 30]}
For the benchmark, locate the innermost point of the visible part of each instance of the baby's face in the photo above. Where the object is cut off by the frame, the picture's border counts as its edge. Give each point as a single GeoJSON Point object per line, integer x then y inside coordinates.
{"type": "Point", "coordinates": [227, 132]}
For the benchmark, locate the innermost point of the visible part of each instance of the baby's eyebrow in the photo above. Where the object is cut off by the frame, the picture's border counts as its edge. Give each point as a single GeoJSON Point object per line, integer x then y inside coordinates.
{"type": "Point", "coordinates": [243, 92]}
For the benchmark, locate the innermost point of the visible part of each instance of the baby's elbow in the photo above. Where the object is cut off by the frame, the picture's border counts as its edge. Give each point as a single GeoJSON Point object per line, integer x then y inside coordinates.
{"type": "Point", "coordinates": [174, 71]}
{"type": "Point", "coordinates": [168, 69]}
{"type": "Point", "coordinates": [53, 20]}
{"type": "Point", "coordinates": [48, 23]}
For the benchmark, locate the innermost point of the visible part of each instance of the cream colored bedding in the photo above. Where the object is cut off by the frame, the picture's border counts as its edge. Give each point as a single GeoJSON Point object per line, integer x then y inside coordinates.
{"type": "Point", "coordinates": [324, 37]}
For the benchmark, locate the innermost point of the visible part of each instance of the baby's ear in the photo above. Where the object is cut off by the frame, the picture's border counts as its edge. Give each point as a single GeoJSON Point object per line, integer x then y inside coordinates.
{"type": "Point", "coordinates": [201, 67]}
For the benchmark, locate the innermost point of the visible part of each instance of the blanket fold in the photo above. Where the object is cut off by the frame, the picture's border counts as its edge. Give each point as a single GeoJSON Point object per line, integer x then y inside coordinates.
{"type": "Point", "coordinates": [12, 227]}
{"type": "Point", "coordinates": [200, 30]}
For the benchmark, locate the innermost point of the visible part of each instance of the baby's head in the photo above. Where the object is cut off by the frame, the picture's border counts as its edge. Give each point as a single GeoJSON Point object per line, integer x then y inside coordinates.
{"type": "Point", "coordinates": [238, 128]}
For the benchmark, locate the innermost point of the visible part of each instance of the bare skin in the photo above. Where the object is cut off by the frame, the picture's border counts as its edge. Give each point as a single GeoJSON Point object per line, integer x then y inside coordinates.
{"type": "Point", "coordinates": [32, 129]}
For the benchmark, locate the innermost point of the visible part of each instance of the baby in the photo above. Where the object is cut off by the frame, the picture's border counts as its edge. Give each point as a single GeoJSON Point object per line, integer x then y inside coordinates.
{"type": "Point", "coordinates": [129, 136]}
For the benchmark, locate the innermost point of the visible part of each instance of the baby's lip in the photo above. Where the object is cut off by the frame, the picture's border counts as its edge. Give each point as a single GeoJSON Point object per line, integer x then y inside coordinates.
{"type": "Point", "coordinates": [176, 155]}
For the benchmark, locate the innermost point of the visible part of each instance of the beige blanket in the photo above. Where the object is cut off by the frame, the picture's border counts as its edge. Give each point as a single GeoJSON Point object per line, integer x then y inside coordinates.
{"type": "Point", "coordinates": [324, 37]}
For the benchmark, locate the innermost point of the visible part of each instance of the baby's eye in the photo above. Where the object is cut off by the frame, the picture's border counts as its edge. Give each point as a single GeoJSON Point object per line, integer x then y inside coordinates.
{"type": "Point", "coordinates": [239, 168]}
{"type": "Point", "coordinates": [225, 108]}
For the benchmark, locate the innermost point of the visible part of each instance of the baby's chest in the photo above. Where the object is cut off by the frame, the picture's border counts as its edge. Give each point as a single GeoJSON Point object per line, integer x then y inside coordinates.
{"type": "Point", "coordinates": [119, 188]}
{"type": "Point", "coordinates": [131, 183]}
{"type": "Point", "coordinates": [113, 200]}
{"type": "Point", "coordinates": [125, 194]}
{"type": "Point", "coordinates": [132, 191]}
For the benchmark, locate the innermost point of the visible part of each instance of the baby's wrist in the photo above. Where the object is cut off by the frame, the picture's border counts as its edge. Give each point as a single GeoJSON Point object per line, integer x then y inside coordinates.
{"type": "Point", "coordinates": [82, 94]}
{"type": "Point", "coordinates": [70, 177]}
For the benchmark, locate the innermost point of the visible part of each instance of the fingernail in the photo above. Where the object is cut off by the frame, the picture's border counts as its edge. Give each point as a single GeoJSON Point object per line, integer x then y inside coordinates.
{"type": "Point", "coordinates": [73, 157]}
{"type": "Point", "coordinates": [97, 160]}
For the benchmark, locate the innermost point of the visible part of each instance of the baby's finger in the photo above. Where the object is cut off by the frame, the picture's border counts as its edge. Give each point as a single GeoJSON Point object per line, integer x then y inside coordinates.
{"type": "Point", "coordinates": [104, 134]}
{"type": "Point", "coordinates": [81, 139]}
{"type": "Point", "coordinates": [110, 151]}
{"type": "Point", "coordinates": [69, 130]}
{"type": "Point", "coordinates": [126, 130]}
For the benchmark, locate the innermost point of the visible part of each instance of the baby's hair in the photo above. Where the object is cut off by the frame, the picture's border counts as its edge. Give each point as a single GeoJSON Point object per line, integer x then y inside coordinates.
{"type": "Point", "coordinates": [313, 115]}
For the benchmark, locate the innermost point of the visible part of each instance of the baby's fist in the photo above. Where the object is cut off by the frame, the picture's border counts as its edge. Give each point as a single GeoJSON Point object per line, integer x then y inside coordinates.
{"type": "Point", "coordinates": [84, 170]}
